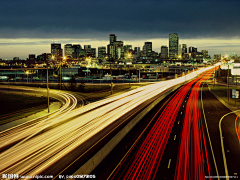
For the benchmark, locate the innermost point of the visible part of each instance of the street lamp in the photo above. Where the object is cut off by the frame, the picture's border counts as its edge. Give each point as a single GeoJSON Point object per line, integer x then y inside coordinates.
{"type": "Point", "coordinates": [27, 76]}
{"type": "Point", "coordinates": [60, 73]}
{"type": "Point", "coordinates": [47, 88]}
{"type": "Point", "coordinates": [129, 56]}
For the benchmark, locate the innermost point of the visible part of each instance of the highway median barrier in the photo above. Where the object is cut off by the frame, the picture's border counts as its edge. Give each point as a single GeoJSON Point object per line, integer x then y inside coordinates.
{"type": "Point", "coordinates": [92, 163]}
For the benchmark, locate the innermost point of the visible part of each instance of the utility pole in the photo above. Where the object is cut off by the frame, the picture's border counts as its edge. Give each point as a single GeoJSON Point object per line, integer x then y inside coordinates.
{"type": "Point", "coordinates": [129, 75]}
{"type": "Point", "coordinates": [60, 74]}
{"type": "Point", "coordinates": [228, 83]}
{"type": "Point", "coordinates": [111, 79]}
{"type": "Point", "coordinates": [139, 76]}
{"type": "Point", "coordinates": [236, 90]}
{"type": "Point", "coordinates": [47, 88]}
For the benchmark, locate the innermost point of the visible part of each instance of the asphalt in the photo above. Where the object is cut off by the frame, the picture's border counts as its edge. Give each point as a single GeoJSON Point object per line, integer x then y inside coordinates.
{"type": "Point", "coordinates": [214, 110]}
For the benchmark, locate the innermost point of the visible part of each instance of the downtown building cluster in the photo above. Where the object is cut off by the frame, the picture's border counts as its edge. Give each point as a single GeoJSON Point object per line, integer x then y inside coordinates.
{"type": "Point", "coordinates": [119, 53]}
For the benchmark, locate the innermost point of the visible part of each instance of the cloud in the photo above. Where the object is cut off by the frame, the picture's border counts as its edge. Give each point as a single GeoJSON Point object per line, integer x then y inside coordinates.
{"type": "Point", "coordinates": [129, 19]}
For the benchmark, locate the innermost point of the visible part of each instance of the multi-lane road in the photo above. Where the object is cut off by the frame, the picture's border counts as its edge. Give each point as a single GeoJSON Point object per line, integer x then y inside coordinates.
{"type": "Point", "coordinates": [183, 140]}
{"type": "Point", "coordinates": [171, 142]}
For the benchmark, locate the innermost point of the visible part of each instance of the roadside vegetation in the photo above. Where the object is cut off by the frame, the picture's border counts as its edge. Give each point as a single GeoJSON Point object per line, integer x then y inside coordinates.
{"type": "Point", "coordinates": [15, 106]}
{"type": "Point", "coordinates": [221, 91]}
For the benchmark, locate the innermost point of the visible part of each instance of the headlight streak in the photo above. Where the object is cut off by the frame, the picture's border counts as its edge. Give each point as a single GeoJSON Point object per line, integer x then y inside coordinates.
{"type": "Point", "coordinates": [41, 150]}
{"type": "Point", "coordinates": [36, 127]}
{"type": "Point", "coordinates": [146, 161]}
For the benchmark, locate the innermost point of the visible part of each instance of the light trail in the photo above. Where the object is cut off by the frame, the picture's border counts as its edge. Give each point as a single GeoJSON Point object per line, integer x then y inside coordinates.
{"type": "Point", "coordinates": [144, 164]}
{"type": "Point", "coordinates": [193, 150]}
{"type": "Point", "coordinates": [31, 148]}
{"type": "Point", "coordinates": [237, 127]}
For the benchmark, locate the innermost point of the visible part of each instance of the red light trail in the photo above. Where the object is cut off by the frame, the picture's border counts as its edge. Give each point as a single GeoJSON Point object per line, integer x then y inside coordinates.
{"type": "Point", "coordinates": [192, 149]}
{"type": "Point", "coordinates": [237, 127]}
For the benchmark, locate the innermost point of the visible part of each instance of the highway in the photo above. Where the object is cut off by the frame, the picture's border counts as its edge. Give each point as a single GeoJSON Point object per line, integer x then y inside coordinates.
{"type": "Point", "coordinates": [52, 145]}
{"type": "Point", "coordinates": [181, 141]}
{"type": "Point", "coordinates": [147, 161]}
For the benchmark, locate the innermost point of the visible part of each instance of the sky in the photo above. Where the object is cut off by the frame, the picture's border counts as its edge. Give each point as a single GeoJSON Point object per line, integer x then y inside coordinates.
{"type": "Point", "coordinates": [29, 26]}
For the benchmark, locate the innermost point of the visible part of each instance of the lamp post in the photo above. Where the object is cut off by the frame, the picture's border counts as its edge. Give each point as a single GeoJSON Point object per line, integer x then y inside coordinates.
{"type": "Point", "coordinates": [47, 88]}
{"type": "Point", "coordinates": [111, 78]}
{"type": "Point", "coordinates": [139, 75]}
{"type": "Point", "coordinates": [27, 77]}
{"type": "Point", "coordinates": [129, 56]}
{"type": "Point", "coordinates": [236, 89]}
{"type": "Point", "coordinates": [228, 83]}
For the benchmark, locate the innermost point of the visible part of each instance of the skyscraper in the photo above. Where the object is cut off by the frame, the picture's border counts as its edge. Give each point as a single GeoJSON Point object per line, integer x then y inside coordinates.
{"type": "Point", "coordinates": [184, 48]}
{"type": "Point", "coordinates": [76, 51]}
{"type": "Point", "coordinates": [112, 38]}
{"type": "Point", "coordinates": [192, 49]}
{"type": "Point", "coordinates": [56, 51]}
{"type": "Point", "coordinates": [115, 48]}
{"type": "Point", "coordinates": [147, 49]}
{"type": "Point", "coordinates": [164, 52]}
{"type": "Point", "coordinates": [101, 52]}
{"type": "Point", "coordinates": [173, 45]}
{"type": "Point", "coordinates": [137, 51]}
{"type": "Point", "coordinates": [88, 50]}
{"type": "Point", "coordinates": [127, 49]}
{"type": "Point", "coordinates": [68, 50]}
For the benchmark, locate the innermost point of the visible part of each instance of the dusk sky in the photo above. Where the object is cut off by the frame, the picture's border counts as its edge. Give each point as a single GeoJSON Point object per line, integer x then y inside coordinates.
{"type": "Point", "coordinates": [29, 26]}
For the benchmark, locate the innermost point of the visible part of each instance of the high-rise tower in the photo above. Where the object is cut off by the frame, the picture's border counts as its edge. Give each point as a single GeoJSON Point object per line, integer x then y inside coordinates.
{"type": "Point", "coordinates": [56, 51]}
{"type": "Point", "coordinates": [173, 45]}
{"type": "Point", "coordinates": [164, 52]}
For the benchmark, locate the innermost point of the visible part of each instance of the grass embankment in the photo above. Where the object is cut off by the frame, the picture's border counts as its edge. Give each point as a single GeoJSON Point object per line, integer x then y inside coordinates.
{"type": "Point", "coordinates": [15, 106]}
{"type": "Point", "coordinates": [91, 92]}
{"type": "Point", "coordinates": [221, 91]}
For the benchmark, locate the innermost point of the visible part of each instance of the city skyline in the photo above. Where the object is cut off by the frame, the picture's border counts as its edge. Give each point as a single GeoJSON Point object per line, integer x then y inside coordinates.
{"type": "Point", "coordinates": [28, 27]}
{"type": "Point", "coordinates": [15, 49]}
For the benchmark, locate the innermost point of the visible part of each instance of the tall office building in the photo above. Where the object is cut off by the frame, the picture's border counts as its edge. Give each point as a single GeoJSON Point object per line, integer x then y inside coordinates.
{"type": "Point", "coordinates": [114, 48]}
{"type": "Point", "coordinates": [137, 51]}
{"type": "Point", "coordinates": [76, 51]}
{"type": "Point", "coordinates": [164, 52]}
{"type": "Point", "coordinates": [56, 51]}
{"type": "Point", "coordinates": [88, 50]}
{"type": "Point", "coordinates": [127, 49]}
{"type": "Point", "coordinates": [113, 38]}
{"type": "Point", "coordinates": [101, 52]}
{"type": "Point", "coordinates": [147, 49]}
{"type": "Point", "coordinates": [93, 52]}
{"type": "Point", "coordinates": [181, 50]}
{"type": "Point", "coordinates": [68, 50]}
{"type": "Point", "coordinates": [192, 49]}
{"type": "Point", "coordinates": [184, 48]}
{"type": "Point", "coordinates": [173, 45]}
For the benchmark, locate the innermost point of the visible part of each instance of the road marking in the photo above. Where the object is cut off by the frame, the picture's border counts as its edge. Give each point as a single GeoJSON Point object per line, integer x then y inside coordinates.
{"type": "Point", "coordinates": [178, 122]}
{"type": "Point", "coordinates": [183, 105]}
{"type": "Point", "coordinates": [169, 162]}
{"type": "Point", "coordinates": [181, 112]}
{"type": "Point", "coordinates": [175, 137]}
{"type": "Point", "coordinates": [222, 145]}
{"type": "Point", "coordinates": [208, 134]}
